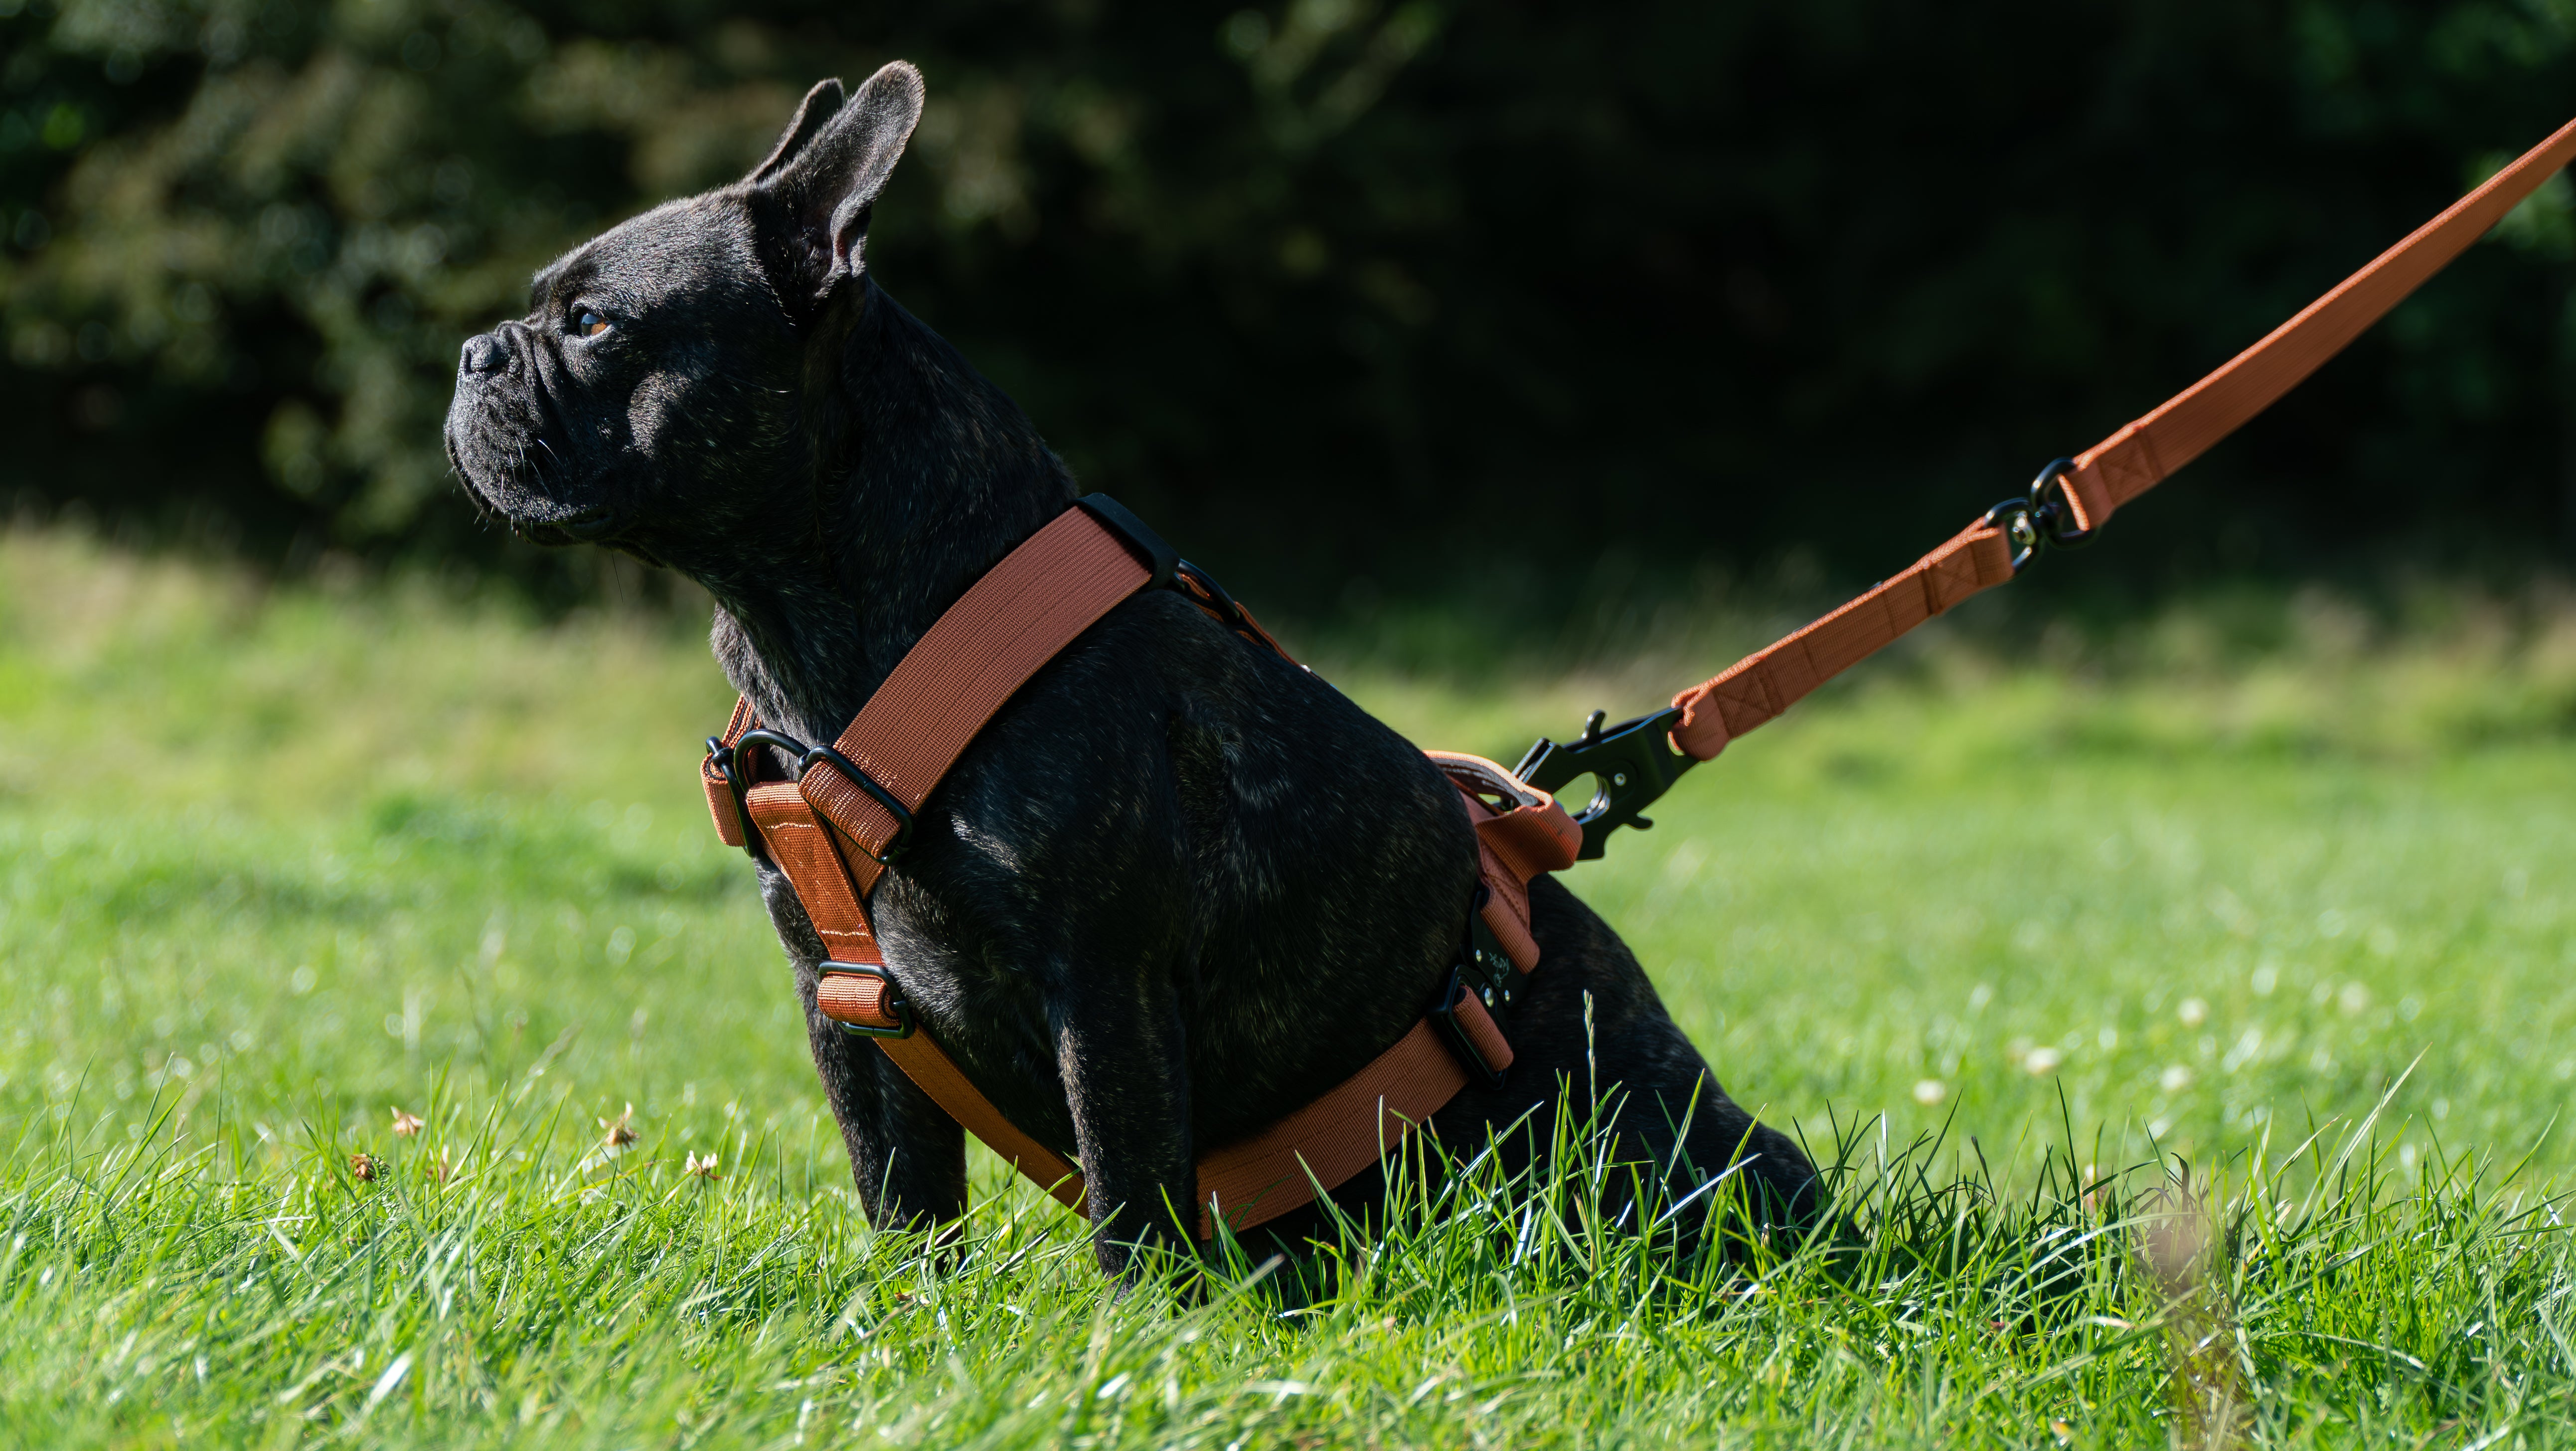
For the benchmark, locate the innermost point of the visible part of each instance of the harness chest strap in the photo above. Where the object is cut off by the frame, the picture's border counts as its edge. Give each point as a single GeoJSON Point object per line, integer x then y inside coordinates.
{"type": "Point", "coordinates": [833, 830]}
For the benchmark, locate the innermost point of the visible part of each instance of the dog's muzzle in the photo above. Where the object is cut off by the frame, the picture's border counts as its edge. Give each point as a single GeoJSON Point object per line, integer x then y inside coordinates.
{"type": "Point", "coordinates": [496, 441]}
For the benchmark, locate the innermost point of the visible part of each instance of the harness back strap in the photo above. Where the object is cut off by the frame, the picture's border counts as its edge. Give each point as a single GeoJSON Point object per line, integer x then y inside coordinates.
{"type": "Point", "coordinates": [832, 831]}
{"type": "Point", "coordinates": [2112, 472]}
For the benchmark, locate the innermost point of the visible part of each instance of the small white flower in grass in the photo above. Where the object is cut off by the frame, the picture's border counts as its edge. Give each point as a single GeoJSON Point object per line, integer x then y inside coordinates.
{"type": "Point", "coordinates": [2193, 1012]}
{"type": "Point", "coordinates": [620, 1132]}
{"type": "Point", "coordinates": [406, 1124]}
{"type": "Point", "coordinates": [704, 1168]}
{"type": "Point", "coordinates": [1929, 1091]}
{"type": "Point", "coordinates": [2174, 1079]}
{"type": "Point", "coordinates": [2042, 1061]}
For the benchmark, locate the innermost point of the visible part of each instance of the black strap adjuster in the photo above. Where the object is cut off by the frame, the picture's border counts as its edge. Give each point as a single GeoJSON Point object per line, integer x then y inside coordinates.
{"type": "Point", "coordinates": [1483, 972]}
{"type": "Point", "coordinates": [1159, 557]}
{"type": "Point", "coordinates": [896, 1005]}
{"type": "Point", "coordinates": [735, 766]}
{"type": "Point", "coordinates": [893, 804]}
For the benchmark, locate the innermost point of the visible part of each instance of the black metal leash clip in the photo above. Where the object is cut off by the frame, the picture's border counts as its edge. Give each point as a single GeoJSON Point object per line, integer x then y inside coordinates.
{"type": "Point", "coordinates": [1631, 764]}
{"type": "Point", "coordinates": [2043, 518]}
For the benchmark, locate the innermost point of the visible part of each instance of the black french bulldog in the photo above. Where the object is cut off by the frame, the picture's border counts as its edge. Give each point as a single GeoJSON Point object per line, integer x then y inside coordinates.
{"type": "Point", "coordinates": [1178, 888]}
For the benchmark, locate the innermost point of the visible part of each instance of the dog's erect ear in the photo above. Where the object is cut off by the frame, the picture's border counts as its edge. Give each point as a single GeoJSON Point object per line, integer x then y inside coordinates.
{"type": "Point", "coordinates": [819, 106]}
{"type": "Point", "coordinates": [834, 160]}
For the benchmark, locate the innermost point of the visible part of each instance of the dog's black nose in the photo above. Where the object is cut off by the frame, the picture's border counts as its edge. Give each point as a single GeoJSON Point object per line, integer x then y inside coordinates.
{"type": "Point", "coordinates": [484, 354]}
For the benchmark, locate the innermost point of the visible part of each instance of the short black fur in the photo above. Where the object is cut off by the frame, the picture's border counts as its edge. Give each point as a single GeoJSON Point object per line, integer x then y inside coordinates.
{"type": "Point", "coordinates": [1179, 887]}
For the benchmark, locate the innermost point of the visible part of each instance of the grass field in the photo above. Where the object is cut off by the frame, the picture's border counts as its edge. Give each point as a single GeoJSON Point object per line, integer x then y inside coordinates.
{"type": "Point", "coordinates": [276, 866]}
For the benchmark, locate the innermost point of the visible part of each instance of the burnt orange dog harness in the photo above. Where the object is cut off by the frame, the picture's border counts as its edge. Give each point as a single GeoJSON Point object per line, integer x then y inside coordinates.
{"type": "Point", "coordinates": [843, 819]}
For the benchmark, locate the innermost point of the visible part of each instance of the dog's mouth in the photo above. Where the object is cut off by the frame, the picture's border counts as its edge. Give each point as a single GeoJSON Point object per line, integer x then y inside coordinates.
{"type": "Point", "coordinates": [576, 526]}
{"type": "Point", "coordinates": [519, 506]}
{"type": "Point", "coordinates": [498, 451]}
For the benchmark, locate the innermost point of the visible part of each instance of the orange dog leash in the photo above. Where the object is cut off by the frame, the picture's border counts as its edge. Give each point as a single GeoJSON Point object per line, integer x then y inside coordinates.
{"type": "Point", "coordinates": [2067, 505]}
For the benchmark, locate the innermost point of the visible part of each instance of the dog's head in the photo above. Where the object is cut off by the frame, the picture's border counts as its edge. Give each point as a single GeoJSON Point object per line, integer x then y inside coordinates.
{"type": "Point", "coordinates": [655, 384]}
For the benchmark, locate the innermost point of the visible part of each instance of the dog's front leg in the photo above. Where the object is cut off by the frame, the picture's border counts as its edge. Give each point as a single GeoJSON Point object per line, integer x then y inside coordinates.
{"type": "Point", "coordinates": [1119, 1045]}
{"type": "Point", "coordinates": [907, 1156]}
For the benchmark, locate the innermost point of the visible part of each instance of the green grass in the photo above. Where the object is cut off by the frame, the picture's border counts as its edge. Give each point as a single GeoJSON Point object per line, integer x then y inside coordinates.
{"type": "Point", "coordinates": [274, 865]}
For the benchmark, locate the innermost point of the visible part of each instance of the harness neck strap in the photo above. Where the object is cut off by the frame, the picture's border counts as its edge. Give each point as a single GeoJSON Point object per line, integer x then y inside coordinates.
{"type": "Point", "coordinates": [1020, 615]}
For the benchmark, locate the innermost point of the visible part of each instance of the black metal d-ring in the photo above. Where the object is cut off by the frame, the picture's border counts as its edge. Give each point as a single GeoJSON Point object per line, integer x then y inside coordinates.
{"type": "Point", "coordinates": [2055, 517]}
{"type": "Point", "coordinates": [733, 765]}
{"type": "Point", "coordinates": [2042, 518]}
{"type": "Point", "coordinates": [2020, 524]}
{"type": "Point", "coordinates": [720, 756]}
{"type": "Point", "coordinates": [764, 736]}
{"type": "Point", "coordinates": [738, 770]}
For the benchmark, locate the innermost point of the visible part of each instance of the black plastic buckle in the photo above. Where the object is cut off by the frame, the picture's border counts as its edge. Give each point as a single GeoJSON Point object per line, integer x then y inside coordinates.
{"type": "Point", "coordinates": [1632, 763]}
{"type": "Point", "coordinates": [894, 1000]}
{"type": "Point", "coordinates": [1484, 972]}
{"type": "Point", "coordinates": [1490, 974]}
{"type": "Point", "coordinates": [2042, 518]}
{"type": "Point", "coordinates": [1444, 1011]}
{"type": "Point", "coordinates": [1158, 556]}
{"type": "Point", "coordinates": [737, 773]}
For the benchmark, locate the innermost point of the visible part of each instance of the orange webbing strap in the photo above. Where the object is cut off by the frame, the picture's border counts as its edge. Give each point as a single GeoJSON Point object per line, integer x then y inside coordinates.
{"type": "Point", "coordinates": [1226, 610]}
{"type": "Point", "coordinates": [1520, 832]}
{"type": "Point", "coordinates": [2112, 472]}
{"type": "Point", "coordinates": [1334, 1138]}
{"type": "Point", "coordinates": [1020, 615]}
{"type": "Point", "coordinates": [1762, 685]}
{"type": "Point", "coordinates": [804, 849]}
{"type": "Point", "coordinates": [2138, 457]}
{"type": "Point", "coordinates": [1351, 1127]}
{"type": "Point", "coordinates": [720, 802]}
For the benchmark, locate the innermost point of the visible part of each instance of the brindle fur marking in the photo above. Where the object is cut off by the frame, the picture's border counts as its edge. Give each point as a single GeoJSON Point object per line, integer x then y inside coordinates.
{"type": "Point", "coordinates": [1178, 887]}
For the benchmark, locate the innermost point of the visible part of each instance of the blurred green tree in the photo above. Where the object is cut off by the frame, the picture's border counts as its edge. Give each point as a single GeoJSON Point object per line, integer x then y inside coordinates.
{"type": "Point", "coordinates": [1345, 290]}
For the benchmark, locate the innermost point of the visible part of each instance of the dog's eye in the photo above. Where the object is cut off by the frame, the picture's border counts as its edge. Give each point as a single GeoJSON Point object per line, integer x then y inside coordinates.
{"type": "Point", "coordinates": [587, 323]}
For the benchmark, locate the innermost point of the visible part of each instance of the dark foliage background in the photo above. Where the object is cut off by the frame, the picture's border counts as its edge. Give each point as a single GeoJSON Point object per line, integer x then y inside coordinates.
{"type": "Point", "coordinates": [1348, 295]}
